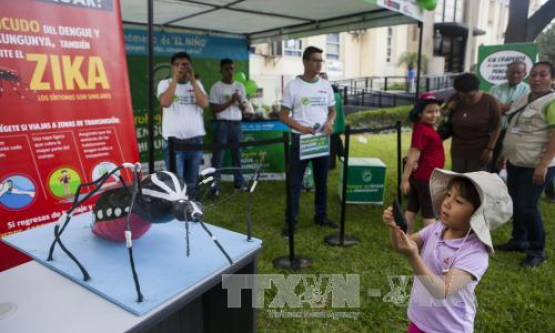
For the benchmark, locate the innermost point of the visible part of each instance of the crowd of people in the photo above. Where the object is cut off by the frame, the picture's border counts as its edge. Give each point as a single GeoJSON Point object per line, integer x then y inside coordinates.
{"type": "Point", "coordinates": [308, 107]}
{"type": "Point", "coordinates": [512, 128]}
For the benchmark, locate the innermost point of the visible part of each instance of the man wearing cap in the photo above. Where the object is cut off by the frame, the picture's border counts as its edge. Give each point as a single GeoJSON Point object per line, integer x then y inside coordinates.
{"type": "Point", "coordinates": [308, 108]}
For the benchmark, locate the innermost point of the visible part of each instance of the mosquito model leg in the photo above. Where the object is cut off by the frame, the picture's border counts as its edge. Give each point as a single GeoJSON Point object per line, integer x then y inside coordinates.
{"type": "Point", "coordinates": [187, 240]}
{"type": "Point", "coordinates": [128, 236]}
{"type": "Point", "coordinates": [57, 232]}
{"type": "Point", "coordinates": [216, 242]}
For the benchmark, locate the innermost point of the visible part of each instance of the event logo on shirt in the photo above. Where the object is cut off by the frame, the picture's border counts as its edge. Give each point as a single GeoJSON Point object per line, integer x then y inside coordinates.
{"type": "Point", "coordinates": [187, 98]}
{"type": "Point", "coordinates": [314, 101]}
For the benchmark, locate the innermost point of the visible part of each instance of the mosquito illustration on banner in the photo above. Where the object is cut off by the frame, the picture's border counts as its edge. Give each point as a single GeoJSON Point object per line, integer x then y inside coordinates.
{"type": "Point", "coordinates": [19, 87]}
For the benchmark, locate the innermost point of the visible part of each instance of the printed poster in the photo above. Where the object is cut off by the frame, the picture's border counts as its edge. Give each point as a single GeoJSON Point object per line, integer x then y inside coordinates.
{"type": "Point", "coordinates": [66, 115]}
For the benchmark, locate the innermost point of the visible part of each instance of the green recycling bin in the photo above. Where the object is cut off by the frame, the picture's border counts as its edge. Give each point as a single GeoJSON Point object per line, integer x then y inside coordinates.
{"type": "Point", "coordinates": [366, 180]}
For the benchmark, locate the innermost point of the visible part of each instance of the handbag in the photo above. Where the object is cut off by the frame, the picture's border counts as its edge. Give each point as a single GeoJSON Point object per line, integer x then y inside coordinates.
{"type": "Point", "coordinates": [445, 128]}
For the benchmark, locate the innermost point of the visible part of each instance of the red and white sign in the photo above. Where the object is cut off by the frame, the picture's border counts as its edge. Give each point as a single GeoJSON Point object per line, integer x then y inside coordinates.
{"type": "Point", "coordinates": [65, 107]}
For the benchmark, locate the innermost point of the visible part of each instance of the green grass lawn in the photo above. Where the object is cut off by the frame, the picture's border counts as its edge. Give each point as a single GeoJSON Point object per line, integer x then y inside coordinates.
{"type": "Point", "coordinates": [510, 298]}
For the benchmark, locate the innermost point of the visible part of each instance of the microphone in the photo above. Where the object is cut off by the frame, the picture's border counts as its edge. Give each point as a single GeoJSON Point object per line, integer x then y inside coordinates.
{"type": "Point", "coordinates": [316, 127]}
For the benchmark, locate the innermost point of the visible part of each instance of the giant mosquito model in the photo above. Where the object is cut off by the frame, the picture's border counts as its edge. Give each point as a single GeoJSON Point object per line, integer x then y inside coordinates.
{"type": "Point", "coordinates": [126, 213]}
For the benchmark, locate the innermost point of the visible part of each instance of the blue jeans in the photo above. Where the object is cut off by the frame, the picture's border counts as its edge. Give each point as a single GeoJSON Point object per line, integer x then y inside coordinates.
{"type": "Point", "coordinates": [527, 220]}
{"type": "Point", "coordinates": [228, 132]}
{"type": "Point", "coordinates": [187, 164]}
{"type": "Point", "coordinates": [550, 190]}
{"type": "Point", "coordinates": [297, 168]}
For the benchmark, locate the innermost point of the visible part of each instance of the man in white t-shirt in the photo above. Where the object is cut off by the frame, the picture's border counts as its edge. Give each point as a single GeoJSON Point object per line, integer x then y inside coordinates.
{"type": "Point", "coordinates": [308, 108]}
{"type": "Point", "coordinates": [227, 102]}
{"type": "Point", "coordinates": [182, 98]}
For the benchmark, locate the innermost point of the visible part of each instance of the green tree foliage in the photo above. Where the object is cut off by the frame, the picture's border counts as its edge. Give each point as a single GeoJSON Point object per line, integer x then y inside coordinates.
{"type": "Point", "coordinates": [546, 44]}
{"type": "Point", "coordinates": [412, 58]}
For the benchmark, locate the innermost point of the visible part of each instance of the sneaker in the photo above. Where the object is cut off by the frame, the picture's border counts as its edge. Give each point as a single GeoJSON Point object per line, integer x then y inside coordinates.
{"type": "Point", "coordinates": [325, 222]}
{"type": "Point", "coordinates": [533, 260]}
{"type": "Point", "coordinates": [511, 246]}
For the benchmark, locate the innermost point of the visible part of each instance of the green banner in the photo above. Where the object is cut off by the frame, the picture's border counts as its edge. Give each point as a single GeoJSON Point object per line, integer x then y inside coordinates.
{"type": "Point", "coordinates": [493, 61]}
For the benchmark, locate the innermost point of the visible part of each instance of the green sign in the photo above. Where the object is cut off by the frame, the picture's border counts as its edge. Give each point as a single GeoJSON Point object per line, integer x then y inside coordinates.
{"type": "Point", "coordinates": [493, 61]}
{"type": "Point", "coordinates": [314, 145]}
{"type": "Point", "coordinates": [366, 180]}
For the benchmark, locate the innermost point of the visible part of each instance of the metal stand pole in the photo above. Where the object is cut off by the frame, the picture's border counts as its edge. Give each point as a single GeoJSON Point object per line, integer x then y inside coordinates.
{"type": "Point", "coordinates": [342, 239]}
{"type": "Point", "coordinates": [291, 261]}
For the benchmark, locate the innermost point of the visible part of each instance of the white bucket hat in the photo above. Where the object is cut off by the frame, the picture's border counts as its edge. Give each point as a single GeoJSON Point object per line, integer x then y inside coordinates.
{"type": "Point", "coordinates": [496, 205]}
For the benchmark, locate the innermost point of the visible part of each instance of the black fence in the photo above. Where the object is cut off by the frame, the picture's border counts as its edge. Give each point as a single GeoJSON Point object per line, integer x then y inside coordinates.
{"type": "Point", "coordinates": [389, 91]}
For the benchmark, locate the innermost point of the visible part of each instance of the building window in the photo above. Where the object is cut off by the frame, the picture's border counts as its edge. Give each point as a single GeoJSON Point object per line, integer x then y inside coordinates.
{"type": "Point", "coordinates": [459, 11]}
{"type": "Point", "coordinates": [333, 46]}
{"type": "Point", "coordinates": [293, 48]}
{"type": "Point", "coordinates": [439, 12]}
{"type": "Point", "coordinates": [389, 44]}
{"type": "Point", "coordinates": [449, 11]}
{"type": "Point", "coordinates": [491, 12]}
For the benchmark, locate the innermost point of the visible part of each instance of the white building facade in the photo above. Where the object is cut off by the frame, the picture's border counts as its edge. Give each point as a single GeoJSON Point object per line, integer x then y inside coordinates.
{"type": "Point", "coordinates": [376, 52]}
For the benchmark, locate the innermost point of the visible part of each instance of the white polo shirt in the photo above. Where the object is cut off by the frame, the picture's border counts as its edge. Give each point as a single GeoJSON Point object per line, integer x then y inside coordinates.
{"type": "Point", "coordinates": [308, 102]}
{"type": "Point", "coordinates": [183, 118]}
{"type": "Point", "coordinates": [221, 92]}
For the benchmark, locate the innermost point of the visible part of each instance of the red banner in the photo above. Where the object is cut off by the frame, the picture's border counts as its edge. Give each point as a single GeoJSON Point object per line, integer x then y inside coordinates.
{"type": "Point", "coordinates": [65, 107]}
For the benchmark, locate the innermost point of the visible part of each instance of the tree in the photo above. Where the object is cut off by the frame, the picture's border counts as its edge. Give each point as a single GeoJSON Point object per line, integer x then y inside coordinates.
{"type": "Point", "coordinates": [546, 44]}
{"type": "Point", "coordinates": [522, 28]}
{"type": "Point", "coordinates": [408, 58]}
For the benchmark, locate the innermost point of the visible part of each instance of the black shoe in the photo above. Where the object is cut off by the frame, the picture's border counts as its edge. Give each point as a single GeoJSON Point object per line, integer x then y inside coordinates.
{"type": "Point", "coordinates": [325, 222]}
{"type": "Point", "coordinates": [511, 246]}
{"type": "Point", "coordinates": [533, 260]}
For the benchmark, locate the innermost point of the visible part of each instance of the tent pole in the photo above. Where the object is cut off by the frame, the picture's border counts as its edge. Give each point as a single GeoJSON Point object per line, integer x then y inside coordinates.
{"type": "Point", "coordinates": [150, 86]}
{"type": "Point", "coordinates": [419, 66]}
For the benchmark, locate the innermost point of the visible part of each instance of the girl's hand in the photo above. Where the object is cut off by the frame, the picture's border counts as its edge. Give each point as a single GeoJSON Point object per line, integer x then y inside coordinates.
{"type": "Point", "coordinates": [404, 244]}
{"type": "Point", "coordinates": [405, 187]}
{"type": "Point", "coordinates": [388, 218]}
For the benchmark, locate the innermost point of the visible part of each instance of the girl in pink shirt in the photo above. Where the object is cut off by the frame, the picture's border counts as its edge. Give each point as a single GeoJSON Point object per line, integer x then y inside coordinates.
{"type": "Point", "coordinates": [450, 257]}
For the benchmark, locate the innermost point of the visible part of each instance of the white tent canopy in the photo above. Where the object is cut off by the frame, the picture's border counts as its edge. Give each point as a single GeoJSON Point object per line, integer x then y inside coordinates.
{"type": "Point", "coordinates": [268, 20]}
